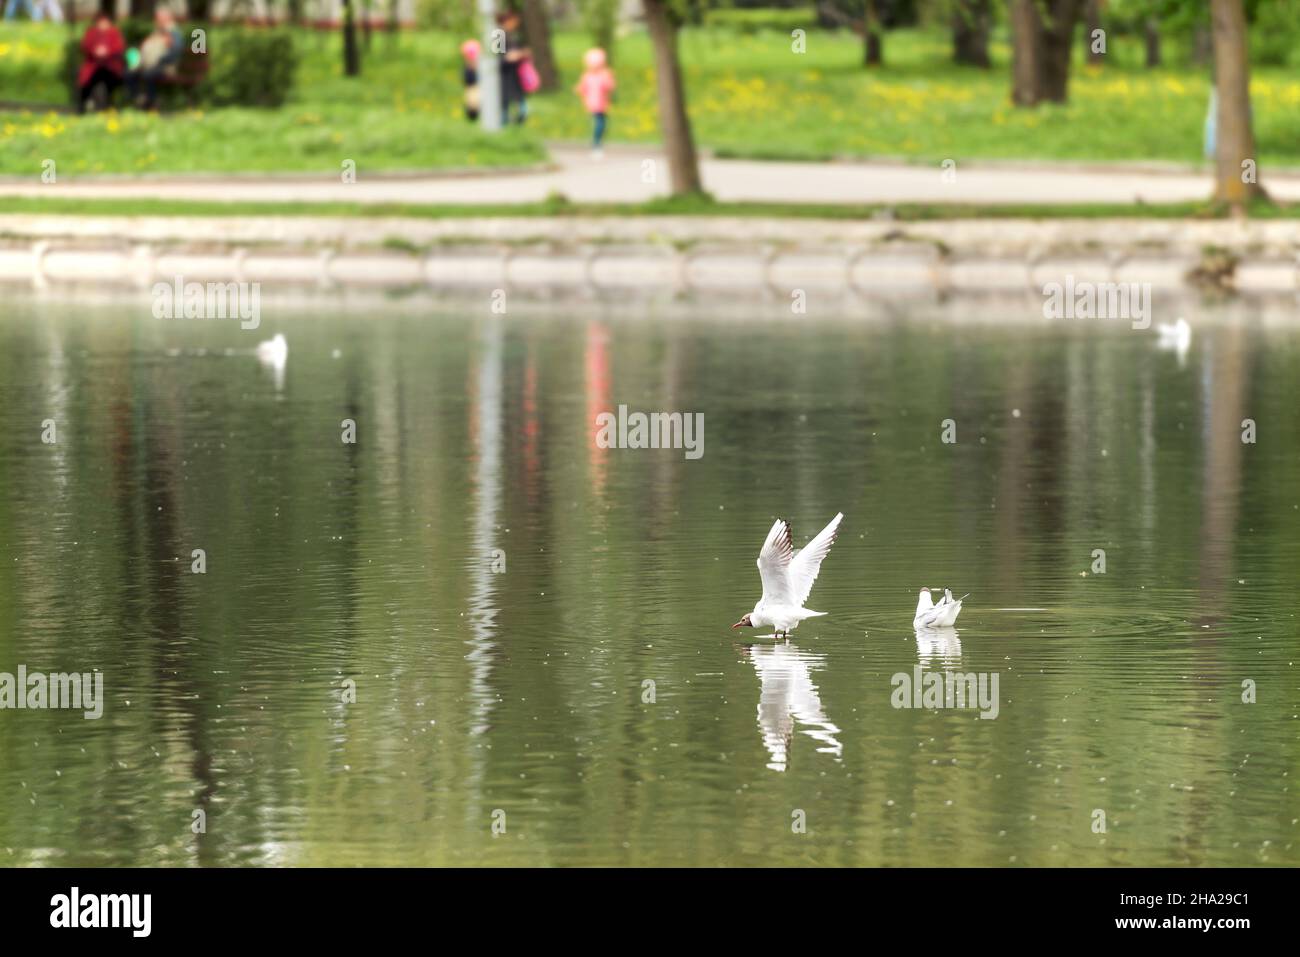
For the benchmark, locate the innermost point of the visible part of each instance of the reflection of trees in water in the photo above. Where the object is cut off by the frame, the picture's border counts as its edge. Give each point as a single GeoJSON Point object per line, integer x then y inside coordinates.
{"type": "Point", "coordinates": [1223, 380]}
{"type": "Point", "coordinates": [486, 401]}
{"type": "Point", "coordinates": [1012, 489]}
{"type": "Point", "coordinates": [486, 414]}
{"type": "Point", "coordinates": [145, 443]}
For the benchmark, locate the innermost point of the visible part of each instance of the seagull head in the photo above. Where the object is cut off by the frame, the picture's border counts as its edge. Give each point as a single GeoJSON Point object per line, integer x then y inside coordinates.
{"type": "Point", "coordinates": [743, 623]}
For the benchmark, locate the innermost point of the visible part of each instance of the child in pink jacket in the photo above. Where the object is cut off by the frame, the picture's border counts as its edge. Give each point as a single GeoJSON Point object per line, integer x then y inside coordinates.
{"type": "Point", "coordinates": [595, 88]}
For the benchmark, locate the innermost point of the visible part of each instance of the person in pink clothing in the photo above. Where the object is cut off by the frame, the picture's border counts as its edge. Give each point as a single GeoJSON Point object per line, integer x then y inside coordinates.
{"type": "Point", "coordinates": [469, 51]}
{"type": "Point", "coordinates": [596, 87]}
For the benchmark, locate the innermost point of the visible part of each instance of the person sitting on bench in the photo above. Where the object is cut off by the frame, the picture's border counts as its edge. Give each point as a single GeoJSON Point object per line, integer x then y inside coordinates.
{"type": "Point", "coordinates": [101, 65]}
{"type": "Point", "coordinates": [159, 54]}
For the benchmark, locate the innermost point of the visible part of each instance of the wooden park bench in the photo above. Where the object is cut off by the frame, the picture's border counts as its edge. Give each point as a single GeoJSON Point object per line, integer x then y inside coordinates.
{"type": "Point", "coordinates": [190, 73]}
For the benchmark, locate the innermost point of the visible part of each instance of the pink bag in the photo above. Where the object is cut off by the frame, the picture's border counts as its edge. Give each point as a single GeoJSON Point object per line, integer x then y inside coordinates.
{"type": "Point", "coordinates": [528, 78]}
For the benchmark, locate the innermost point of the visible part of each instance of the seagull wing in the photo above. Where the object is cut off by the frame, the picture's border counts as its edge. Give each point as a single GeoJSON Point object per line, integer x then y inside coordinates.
{"type": "Point", "coordinates": [774, 565]}
{"type": "Point", "coordinates": [931, 617]}
{"type": "Point", "coordinates": [808, 562]}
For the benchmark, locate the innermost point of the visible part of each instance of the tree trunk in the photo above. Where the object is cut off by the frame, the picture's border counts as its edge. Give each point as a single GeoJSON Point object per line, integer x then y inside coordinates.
{"type": "Point", "coordinates": [1041, 50]}
{"type": "Point", "coordinates": [351, 56]}
{"type": "Point", "coordinates": [538, 31]}
{"type": "Point", "coordinates": [872, 53]}
{"type": "Point", "coordinates": [1091, 24]}
{"type": "Point", "coordinates": [970, 32]}
{"type": "Point", "coordinates": [1058, 41]}
{"type": "Point", "coordinates": [199, 10]}
{"type": "Point", "coordinates": [1153, 42]}
{"type": "Point", "coordinates": [1234, 137]}
{"type": "Point", "coordinates": [1026, 51]}
{"type": "Point", "coordinates": [683, 166]}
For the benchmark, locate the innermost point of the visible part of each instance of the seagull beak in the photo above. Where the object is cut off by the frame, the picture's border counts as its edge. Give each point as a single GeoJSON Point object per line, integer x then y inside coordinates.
{"type": "Point", "coordinates": [737, 624]}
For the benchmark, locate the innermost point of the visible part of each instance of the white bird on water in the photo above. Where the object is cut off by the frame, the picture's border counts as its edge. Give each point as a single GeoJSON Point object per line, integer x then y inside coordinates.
{"type": "Point", "coordinates": [788, 577]}
{"type": "Point", "coordinates": [274, 351]}
{"type": "Point", "coordinates": [1176, 336]}
{"type": "Point", "coordinates": [941, 615]}
{"type": "Point", "coordinates": [274, 355]}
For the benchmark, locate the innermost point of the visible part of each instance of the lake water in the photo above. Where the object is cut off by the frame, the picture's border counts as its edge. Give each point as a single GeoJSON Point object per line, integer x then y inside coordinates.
{"type": "Point", "coordinates": [498, 590]}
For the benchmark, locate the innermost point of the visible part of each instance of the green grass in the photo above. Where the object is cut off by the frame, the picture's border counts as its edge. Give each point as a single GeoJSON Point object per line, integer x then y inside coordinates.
{"type": "Point", "coordinates": [296, 139]}
{"type": "Point", "coordinates": [750, 96]}
{"type": "Point", "coordinates": [673, 206]}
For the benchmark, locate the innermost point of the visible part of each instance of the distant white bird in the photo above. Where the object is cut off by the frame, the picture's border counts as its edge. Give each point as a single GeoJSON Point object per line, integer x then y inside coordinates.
{"type": "Point", "coordinates": [273, 351]}
{"type": "Point", "coordinates": [1174, 335]}
{"type": "Point", "coordinates": [788, 577]}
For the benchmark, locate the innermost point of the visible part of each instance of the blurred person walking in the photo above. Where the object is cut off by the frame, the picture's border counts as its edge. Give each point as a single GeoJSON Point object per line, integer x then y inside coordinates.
{"type": "Point", "coordinates": [37, 10]}
{"type": "Point", "coordinates": [596, 86]}
{"type": "Point", "coordinates": [469, 51]}
{"type": "Point", "coordinates": [513, 57]}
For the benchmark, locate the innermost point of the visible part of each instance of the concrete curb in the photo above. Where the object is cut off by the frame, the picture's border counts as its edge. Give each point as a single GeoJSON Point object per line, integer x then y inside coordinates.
{"type": "Point", "coordinates": [291, 178]}
{"type": "Point", "coordinates": [681, 255]}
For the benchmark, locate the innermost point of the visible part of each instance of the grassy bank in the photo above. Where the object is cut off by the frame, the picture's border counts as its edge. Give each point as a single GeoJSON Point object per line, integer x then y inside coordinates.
{"type": "Point", "coordinates": [750, 96]}
{"type": "Point", "coordinates": [316, 139]}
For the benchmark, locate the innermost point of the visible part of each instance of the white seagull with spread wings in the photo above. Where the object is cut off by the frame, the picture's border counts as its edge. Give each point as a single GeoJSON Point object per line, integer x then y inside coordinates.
{"type": "Point", "coordinates": [788, 577]}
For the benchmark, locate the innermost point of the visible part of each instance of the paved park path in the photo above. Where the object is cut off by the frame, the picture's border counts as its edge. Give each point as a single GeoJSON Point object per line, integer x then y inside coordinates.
{"type": "Point", "coordinates": [627, 174]}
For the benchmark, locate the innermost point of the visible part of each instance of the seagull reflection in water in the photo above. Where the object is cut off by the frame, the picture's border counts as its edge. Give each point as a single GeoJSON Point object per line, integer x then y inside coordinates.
{"type": "Point", "coordinates": [788, 700]}
{"type": "Point", "coordinates": [938, 646]}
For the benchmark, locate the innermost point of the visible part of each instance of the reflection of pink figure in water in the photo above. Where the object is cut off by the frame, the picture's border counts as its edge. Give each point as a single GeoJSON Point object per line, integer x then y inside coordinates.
{"type": "Point", "coordinates": [596, 366]}
{"type": "Point", "coordinates": [532, 429]}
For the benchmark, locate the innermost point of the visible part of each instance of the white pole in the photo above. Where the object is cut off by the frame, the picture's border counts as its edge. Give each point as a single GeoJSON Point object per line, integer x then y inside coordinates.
{"type": "Point", "coordinates": [489, 69]}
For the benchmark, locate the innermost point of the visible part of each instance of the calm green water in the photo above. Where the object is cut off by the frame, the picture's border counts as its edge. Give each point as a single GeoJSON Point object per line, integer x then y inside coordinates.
{"type": "Point", "coordinates": [523, 691]}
